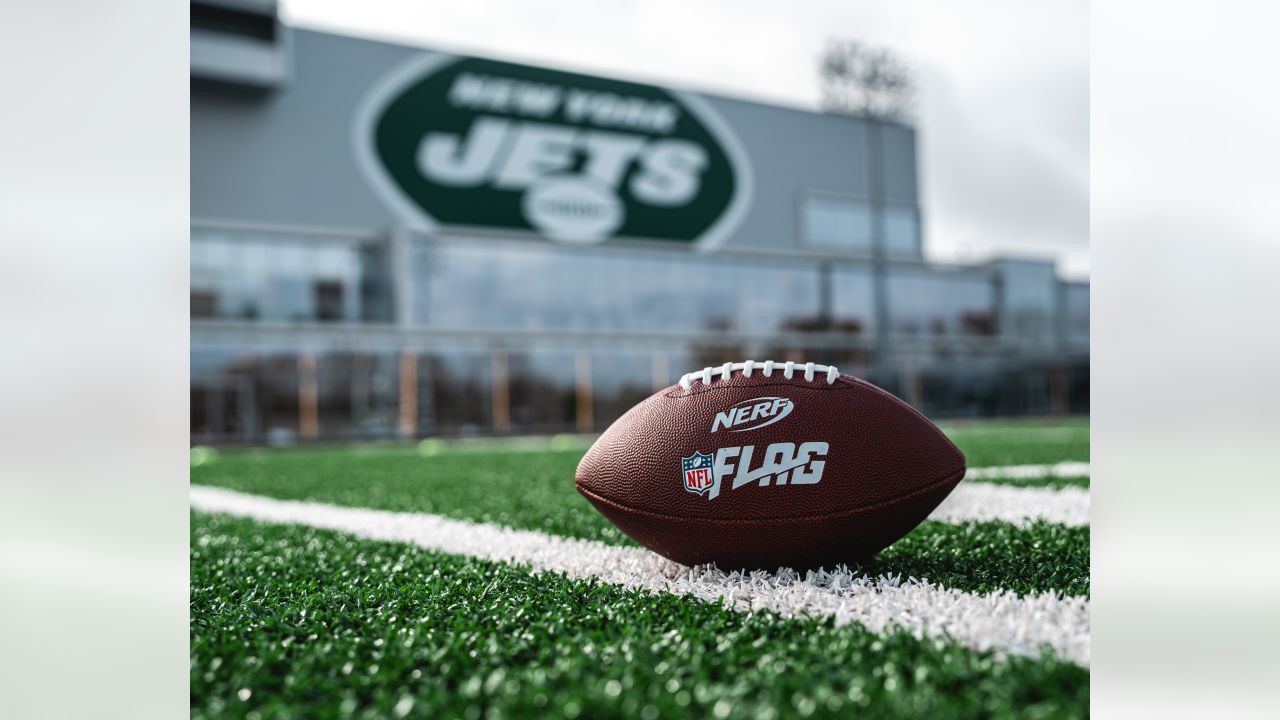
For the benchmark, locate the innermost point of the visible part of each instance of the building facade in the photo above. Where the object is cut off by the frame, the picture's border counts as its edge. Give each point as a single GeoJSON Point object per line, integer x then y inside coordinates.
{"type": "Point", "coordinates": [395, 242]}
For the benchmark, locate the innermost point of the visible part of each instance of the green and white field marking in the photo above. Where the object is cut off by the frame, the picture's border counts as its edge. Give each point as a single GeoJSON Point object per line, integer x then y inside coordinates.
{"type": "Point", "coordinates": [975, 501]}
{"type": "Point", "coordinates": [534, 491]}
{"type": "Point", "coordinates": [998, 620]}
{"type": "Point", "coordinates": [292, 621]}
{"type": "Point", "coordinates": [1058, 475]}
{"type": "Point", "coordinates": [484, 586]}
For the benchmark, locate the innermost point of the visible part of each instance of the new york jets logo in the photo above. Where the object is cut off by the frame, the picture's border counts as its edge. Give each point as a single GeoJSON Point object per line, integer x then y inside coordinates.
{"type": "Point", "coordinates": [465, 142]}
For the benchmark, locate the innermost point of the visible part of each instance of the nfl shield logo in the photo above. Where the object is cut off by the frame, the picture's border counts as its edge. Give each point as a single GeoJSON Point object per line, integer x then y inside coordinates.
{"type": "Point", "coordinates": [698, 476]}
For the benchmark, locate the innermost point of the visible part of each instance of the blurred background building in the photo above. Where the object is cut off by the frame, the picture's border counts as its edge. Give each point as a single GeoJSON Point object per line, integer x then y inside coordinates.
{"type": "Point", "coordinates": [389, 241]}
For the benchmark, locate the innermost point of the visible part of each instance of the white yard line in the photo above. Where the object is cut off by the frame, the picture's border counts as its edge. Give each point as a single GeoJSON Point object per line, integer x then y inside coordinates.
{"type": "Point", "coordinates": [1001, 621]}
{"type": "Point", "coordinates": [1018, 505]}
{"type": "Point", "coordinates": [1026, 472]}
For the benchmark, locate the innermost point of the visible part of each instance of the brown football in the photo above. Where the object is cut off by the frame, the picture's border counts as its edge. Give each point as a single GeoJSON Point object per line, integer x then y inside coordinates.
{"type": "Point", "coordinates": [768, 465]}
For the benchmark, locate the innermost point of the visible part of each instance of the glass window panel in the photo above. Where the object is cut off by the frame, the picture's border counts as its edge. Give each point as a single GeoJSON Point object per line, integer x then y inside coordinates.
{"type": "Point", "coordinates": [837, 223]}
{"type": "Point", "coordinates": [704, 353]}
{"type": "Point", "coordinates": [853, 301]}
{"type": "Point", "coordinates": [938, 304]}
{"type": "Point", "coordinates": [244, 395]}
{"type": "Point", "coordinates": [214, 413]}
{"type": "Point", "coordinates": [852, 362]}
{"type": "Point", "coordinates": [455, 392]}
{"type": "Point", "coordinates": [375, 300]}
{"type": "Point", "coordinates": [777, 299]}
{"type": "Point", "coordinates": [1078, 387]}
{"type": "Point", "coordinates": [288, 278]}
{"type": "Point", "coordinates": [1077, 310]}
{"type": "Point", "coordinates": [205, 269]}
{"type": "Point", "coordinates": [1024, 389]}
{"type": "Point", "coordinates": [357, 394]}
{"type": "Point", "coordinates": [901, 231]}
{"type": "Point", "coordinates": [619, 380]}
{"type": "Point", "coordinates": [670, 365]}
{"type": "Point", "coordinates": [498, 287]}
{"type": "Point", "coordinates": [247, 280]}
{"type": "Point", "coordinates": [955, 385]}
{"type": "Point", "coordinates": [543, 391]}
{"type": "Point", "coordinates": [1030, 302]}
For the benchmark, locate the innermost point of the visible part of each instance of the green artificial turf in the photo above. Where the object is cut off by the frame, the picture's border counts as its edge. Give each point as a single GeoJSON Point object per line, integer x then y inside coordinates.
{"type": "Point", "coordinates": [982, 557]}
{"type": "Point", "coordinates": [290, 621]}
{"type": "Point", "coordinates": [1055, 483]}
{"type": "Point", "coordinates": [535, 491]}
{"type": "Point", "coordinates": [1022, 442]}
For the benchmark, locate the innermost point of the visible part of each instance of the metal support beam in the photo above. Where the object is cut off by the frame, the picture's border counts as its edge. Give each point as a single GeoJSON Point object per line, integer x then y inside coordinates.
{"type": "Point", "coordinates": [582, 377]}
{"type": "Point", "coordinates": [501, 394]}
{"type": "Point", "coordinates": [408, 394]}
{"type": "Point", "coordinates": [308, 398]}
{"type": "Point", "coordinates": [661, 368]}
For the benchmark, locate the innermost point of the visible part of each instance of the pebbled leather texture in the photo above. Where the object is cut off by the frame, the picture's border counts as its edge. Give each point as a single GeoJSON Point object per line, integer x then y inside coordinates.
{"type": "Point", "coordinates": [887, 467]}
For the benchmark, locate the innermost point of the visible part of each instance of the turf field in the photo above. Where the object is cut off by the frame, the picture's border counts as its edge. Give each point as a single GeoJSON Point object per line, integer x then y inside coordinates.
{"type": "Point", "coordinates": [290, 620]}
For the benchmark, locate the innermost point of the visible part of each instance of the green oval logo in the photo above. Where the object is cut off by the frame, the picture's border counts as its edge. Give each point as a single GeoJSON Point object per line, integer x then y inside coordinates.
{"type": "Point", "coordinates": [457, 142]}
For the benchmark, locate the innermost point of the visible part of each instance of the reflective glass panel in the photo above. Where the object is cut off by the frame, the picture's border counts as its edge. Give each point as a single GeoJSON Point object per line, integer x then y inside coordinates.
{"type": "Point", "coordinates": [901, 231]}
{"type": "Point", "coordinates": [542, 288]}
{"type": "Point", "coordinates": [1077, 312]}
{"type": "Point", "coordinates": [931, 303]}
{"type": "Point", "coordinates": [454, 392]}
{"type": "Point", "coordinates": [358, 394]}
{"type": "Point", "coordinates": [1029, 305]}
{"type": "Point", "coordinates": [289, 279]}
{"type": "Point", "coordinates": [853, 301]}
{"type": "Point", "coordinates": [833, 222]}
{"type": "Point", "coordinates": [542, 391]}
{"type": "Point", "coordinates": [619, 380]}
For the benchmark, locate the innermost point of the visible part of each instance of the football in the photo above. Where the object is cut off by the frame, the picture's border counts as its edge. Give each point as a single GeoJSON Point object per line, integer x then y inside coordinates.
{"type": "Point", "coordinates": [768, 465]}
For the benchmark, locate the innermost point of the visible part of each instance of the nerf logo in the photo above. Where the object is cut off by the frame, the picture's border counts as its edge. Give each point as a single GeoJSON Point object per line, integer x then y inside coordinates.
{"type": "Point", "coordinates": [752, 414]}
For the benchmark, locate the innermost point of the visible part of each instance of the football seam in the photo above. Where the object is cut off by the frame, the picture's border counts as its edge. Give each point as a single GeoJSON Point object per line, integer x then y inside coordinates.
{"type": "Point", "coordinates": [953, 477]}
{"type": "Point", "coordinates": [673, 393]}
{"type": "Point", "coordinates": [850, 383]}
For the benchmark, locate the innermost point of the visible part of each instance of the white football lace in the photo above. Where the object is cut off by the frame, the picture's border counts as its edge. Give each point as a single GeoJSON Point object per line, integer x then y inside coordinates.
{"type": "Point", "coordinates": [766, 367]}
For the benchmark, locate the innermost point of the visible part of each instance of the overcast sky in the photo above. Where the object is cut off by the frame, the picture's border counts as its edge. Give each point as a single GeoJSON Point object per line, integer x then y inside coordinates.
{"type": "Point", "coordinates": [1002, 106]}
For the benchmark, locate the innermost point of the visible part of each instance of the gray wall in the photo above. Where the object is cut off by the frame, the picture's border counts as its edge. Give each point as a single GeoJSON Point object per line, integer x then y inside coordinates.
{"type": "Point", "coordinates": [284, 156]}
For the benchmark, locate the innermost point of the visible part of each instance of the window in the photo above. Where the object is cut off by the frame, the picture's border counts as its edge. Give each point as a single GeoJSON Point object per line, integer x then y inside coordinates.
{"type": "Point", "coordinates": [204, 303]}
{"type": "Point", "coordinates": [543, 391]}
{"type": "Point", "coordinates": [358, 394]}
{"type": "Point", "coordinates": [831, 222]}
{"type": "Point", "coordinates": [901, 231]}
{"type": "Point", "coordinates": [539, 288]}
{"type": "Point", "coordinates": [288, 278]}
{"type": "Point", "coordinates": [1077, 312]}
{"type": "Point", "coordinates": [455, 392]}
{"type": "Point", "coordinates": [930, 303]}
{"type": "Point", "coordinates": [1029, 301]}
{"type": "Point", "coordinates": [328, 300]}
{"type": "Point", "coordinates": [619, 380]}
{"type": "Point", "coordinates": [853, 301]}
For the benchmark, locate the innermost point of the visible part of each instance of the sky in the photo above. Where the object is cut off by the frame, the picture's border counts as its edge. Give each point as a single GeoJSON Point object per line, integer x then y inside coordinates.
{"type": "Point", "coordinates": [1002, 104]}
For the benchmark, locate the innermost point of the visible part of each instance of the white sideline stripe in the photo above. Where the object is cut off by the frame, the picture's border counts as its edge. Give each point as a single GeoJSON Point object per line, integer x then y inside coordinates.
{"type": "Point", "coordinates": [1027, 472]}
{"type": "Point", "coordinates": [1000, 621]}
{"type": "Point", "coordinates": [1018, 505]}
